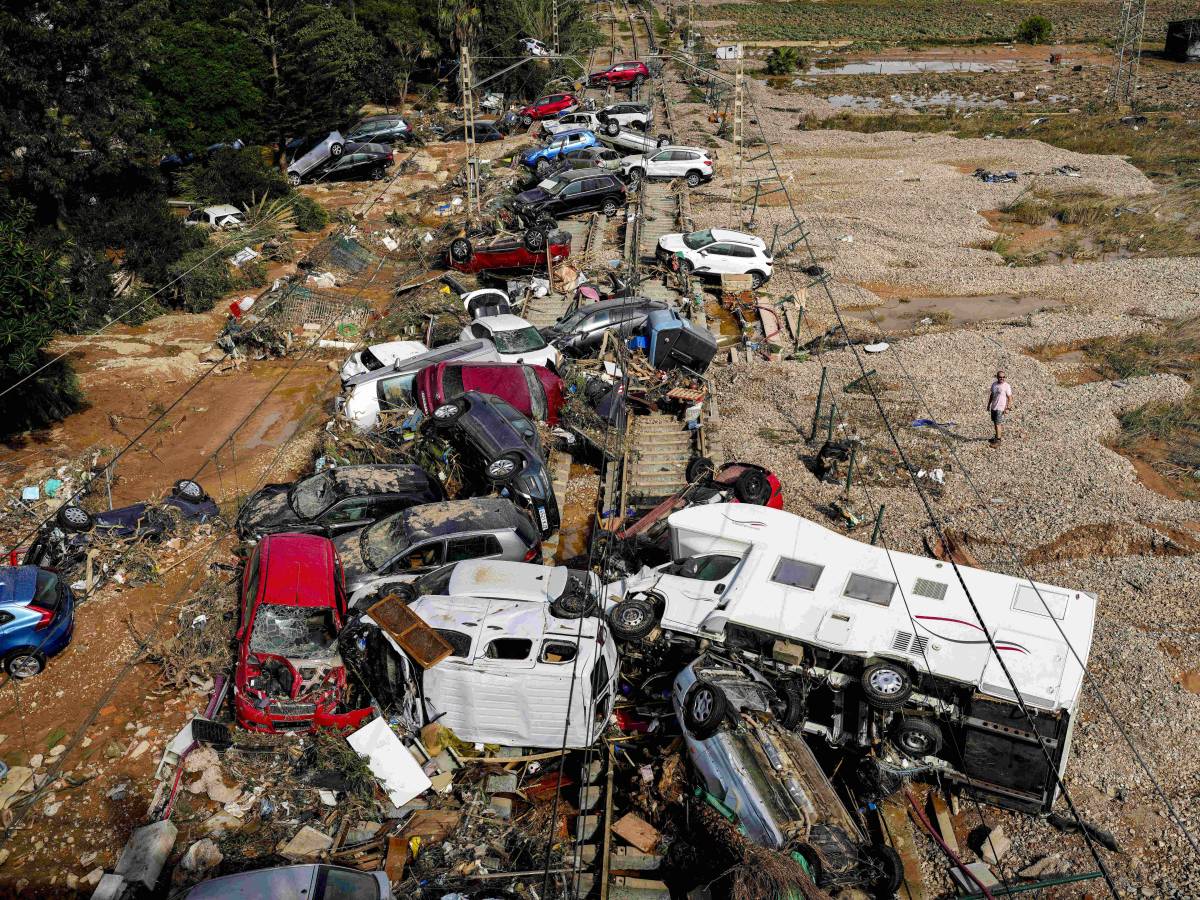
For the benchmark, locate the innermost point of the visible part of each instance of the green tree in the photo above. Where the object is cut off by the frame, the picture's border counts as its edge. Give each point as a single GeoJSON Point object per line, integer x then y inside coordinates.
{"type": "Point", "coordinates": [1035, 30]}
{"type": "Point", "coordinates": [33, 306]}
{"type": "Point", "coordinates": [783, 61]}
{"type": "Point", "coordinates": [399, 26]}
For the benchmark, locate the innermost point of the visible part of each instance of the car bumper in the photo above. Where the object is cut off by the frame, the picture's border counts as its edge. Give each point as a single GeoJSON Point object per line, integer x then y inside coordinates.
{"type": "Point", "coordinates": [59, 637]}
{"type": "Point", "coordinates": [268, 722]}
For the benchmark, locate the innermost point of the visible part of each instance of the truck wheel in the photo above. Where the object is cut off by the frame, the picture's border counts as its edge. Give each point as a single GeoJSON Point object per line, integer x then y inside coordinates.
{"type": "Point", "coordinates": [886, 685]}
{"type": "Point", "coordinates": [461, 250]}
{"type": "Point", "coordinates": [74, 518]}
{"type": "Point", "coordinates": [704, 709]}
{"type": "Point", "coordinates": [693, 179]}
{"type": "Point", "coordinates": [883, 869]}
{"type": "Point", "coordinates": [535, 238]}
{"type": "Point", "coordinates": [918, 737]}
{"type": "Point", "coordinates": [632, 619]}
{"type": "Point", "coordinates": [752, 487]}
{"type": "Point", "coordinates": [505, 468]}
{"type": "Point", "coordinates": [612, 127]}
{"type": "Point", "coordinates": [698, 468]}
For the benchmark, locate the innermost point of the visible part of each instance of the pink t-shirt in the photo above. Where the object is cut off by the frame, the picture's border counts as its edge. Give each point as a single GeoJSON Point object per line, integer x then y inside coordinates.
{"type": "Point", "coordinates": [1001, 393]}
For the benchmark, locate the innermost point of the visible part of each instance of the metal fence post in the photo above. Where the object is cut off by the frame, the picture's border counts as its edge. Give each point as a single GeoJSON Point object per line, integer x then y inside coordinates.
{"type": "Point", "coordinates": [820, 398]}
{"type": "Point", "coordinates": [850, 468]}
{"type": "Point", "coordinates": [878, 523]}
{"type": "Point", "coordinates": [829, 430]}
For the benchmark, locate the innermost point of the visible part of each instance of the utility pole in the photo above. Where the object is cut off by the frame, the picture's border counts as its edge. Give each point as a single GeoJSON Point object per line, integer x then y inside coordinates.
{"type": "Point", "coordinates": [468, 104]}
{"type": "Point", "coordinates": [691, 11]}
{"type": "Point", "coordinates": [1128, 52]}
{"type": "Point", "coordinates": [554, 18]}
{"type": "Point", "coordinates": [739, 130]}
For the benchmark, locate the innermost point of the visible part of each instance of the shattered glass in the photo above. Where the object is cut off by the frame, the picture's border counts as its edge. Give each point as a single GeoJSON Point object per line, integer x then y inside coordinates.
{"type": "Point", "coordinates": [312, 495]}
{"type": "Point", "coordinates": [294, 632]}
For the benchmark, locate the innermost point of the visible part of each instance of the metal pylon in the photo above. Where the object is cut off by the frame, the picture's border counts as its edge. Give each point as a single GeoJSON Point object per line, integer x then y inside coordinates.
{"type": "Point", "coordinates": [1128, 51]}
{"type": "Point", "coordinates": [468, 103]}
{"type": "Point", "coordinates": [739, 134]}
{"type": "Point", "coordinates": [554, 23]}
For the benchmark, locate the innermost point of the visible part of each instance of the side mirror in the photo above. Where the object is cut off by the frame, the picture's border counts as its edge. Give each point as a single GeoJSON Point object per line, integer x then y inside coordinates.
{"type": "Point", "coordinates": [719, 589]}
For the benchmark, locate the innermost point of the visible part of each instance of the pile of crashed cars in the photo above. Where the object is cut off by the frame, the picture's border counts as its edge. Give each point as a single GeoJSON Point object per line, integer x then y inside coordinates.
{"type": "Point", "coordinates": [415, 589]}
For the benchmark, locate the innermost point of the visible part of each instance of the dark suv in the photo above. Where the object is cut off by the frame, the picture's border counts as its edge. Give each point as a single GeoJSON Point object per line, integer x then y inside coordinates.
{"type": "Point", "coordinates": [582, 331]}
{"type": "Point", "coordinates": [493, 438]}
{"type": "Point", "coordinates": [572, 192]}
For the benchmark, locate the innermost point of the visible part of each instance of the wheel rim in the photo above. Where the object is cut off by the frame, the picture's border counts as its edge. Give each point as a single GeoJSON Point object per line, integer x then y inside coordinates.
{"type": "Point", "coordinates": [75, 516]}
{"type": "Point", "coordinates": [887, 682]}
{"type": "Point", "coordinates": [502, 468]}
{"type": "Point", "coordinates": [610, 208]}
{"type": "Point", "coordinates": [191, 490]}
{"type": "Point", "coordinates": [692, 181]}
{"type": "Point", "coordinates": [24, 666]}
{"type": "Point", "coordinates": [702, 705]}
{"type": "Point", "coordinates": [445, 412]}
{"type": "Point", "coordinates": [756, 280]}
{"type": "Point", "coordinates": [632, 617]}
{"type": "Point", "coordinates": [915, 741]}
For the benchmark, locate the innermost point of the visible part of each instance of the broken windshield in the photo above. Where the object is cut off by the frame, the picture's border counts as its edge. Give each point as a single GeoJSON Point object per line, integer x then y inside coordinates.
{"type": "Point", "coordinates": [311, 496]}
{"type": "Point", "coordinates": [522, 340]}
{"type": "Point", "coordinates": [698, 239]}
{"type": "Point", "coordinates": [294, 632]}
{"type": "Point", "coordinates": [381, 541]}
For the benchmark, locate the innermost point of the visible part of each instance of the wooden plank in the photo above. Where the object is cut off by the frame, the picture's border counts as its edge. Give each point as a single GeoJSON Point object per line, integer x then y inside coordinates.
{"type": "Point", "coordinates": [897, 829]}
{"type": "Point", "coordinates": [425, 646]}
{"type": "Point", "coordinates": [945, 825]}
{"type": "Point", "coordinates": [637, 831]}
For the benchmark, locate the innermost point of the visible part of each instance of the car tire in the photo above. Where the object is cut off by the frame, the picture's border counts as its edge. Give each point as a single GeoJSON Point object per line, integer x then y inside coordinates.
{"type": "Point", "coordinates": [576, 602]}
{"type": "Point", "coordinates": [757, 280]}
{"type": "Point", "coordinates": [636, 176]}
{"type": "Point", "coordinates": [535, 238]}
{"type": "Point", "coordinates": [698, 468]}
{"type": "Point", "coordinates": [752, 487]}
{"type": "Point", "coordinates": [461, 250]}
{"type": "Point", "coordinates": [886, 685]}
{"type": "Point", "coordinates": [686, 267]}
{"type": "Point", "coordinates": [526, 121]}
{"type": "Point", "coordinates": [189, 490]}
{"type": "Point", "coordinates": [448, 413]}
{"type": "Point", "coordinates": [883, 869]}
{"type": "Point", "coordinates": [693, 179]}
{"type": "Point", "coordinates": [542, 166]}
{"type": "Point", "coordinates": [24, 662]}
{"type": "Point", "coordinates": [74, 518]}
{"type": "Point", "coordinates": [917, 737]}
{"type": "Point", "coordinates": [336, 150]}
{"type": "Point", "coordinates": [639, 80]}
{"type": "Point", "coordinates": [379, 173]}
{"type": "Point", "coordinates": [663, 141]}
{"type": "Point", "coordinates": [632, 619]}
{"type": "Point", "coordinates": [813, 857]}
{"type": "Point", "coordinates": [612, 127]}
{"type": "Point", "coordinates": [705, 707]}
{"type": "Point", "coordinates": [505, 468]}
{"type": "Point", "coordinates": [793, 710]}
{"type": "Point", "coordinates": [294, 179]}
{"type": "Point", "coordinates": [611, 206]}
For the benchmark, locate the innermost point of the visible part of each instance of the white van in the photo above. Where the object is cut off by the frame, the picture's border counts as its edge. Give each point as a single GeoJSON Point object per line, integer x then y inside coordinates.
{"type": "Point", "coordinates": [865, 633]}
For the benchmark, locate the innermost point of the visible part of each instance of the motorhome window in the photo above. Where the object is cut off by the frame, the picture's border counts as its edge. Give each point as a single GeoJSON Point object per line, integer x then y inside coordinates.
{"type": "Point", "coordinates": [558, 652]}
{"type": "Point", "coordinates": [797, 573]}
{"type": "Point", "coordinates": [872, 590]}
{"type": "Point", "coordinates": [509, 648]}
{"type": "Point", "coordinates": [459, 642]}
{"type": "Point", "coordinates": [707, 568]}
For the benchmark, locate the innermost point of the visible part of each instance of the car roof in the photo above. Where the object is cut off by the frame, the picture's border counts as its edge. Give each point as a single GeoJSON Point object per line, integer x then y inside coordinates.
{"type": "Point", "coordinates": [444, 353]}
{"type": "Point", "coordinates": [17, 583]}
{"type": "Point", "coordinates": [367, 480]}
{"type": "Point", "coordinates": [623, 302]}
{"type": "Point", "coordinates": [590, 172]}
{"type": "Point", "coordinates": [369, 147]}
{"type": "Point", "coordinates": [223, 209]}
{"type": "Point", "coordinates": [506, 579]}
{"type": "Point", "coordinates": [300, 570]}
{"type": "Point", "coordinates": [737, 237]}
{"type": "Point", "coordinates": [487, 619]}
{"type": "Point", "coordinates": [504, 322]}
{"type": "Point", "coordinates": [457, 516]}
{"type": "Point", "coordinates": [572, 132]}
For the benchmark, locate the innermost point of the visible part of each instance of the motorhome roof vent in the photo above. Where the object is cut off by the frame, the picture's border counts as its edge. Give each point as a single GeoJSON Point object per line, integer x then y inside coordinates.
{"type": "Point", "coordinates": [901, 641]}
{"type": "Point", "coordinates": [934, 590]}
{"type": "Point", "coordinates": [904, 642]}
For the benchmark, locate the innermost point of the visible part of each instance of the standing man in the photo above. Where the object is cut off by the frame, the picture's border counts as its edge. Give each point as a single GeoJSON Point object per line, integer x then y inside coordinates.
{"type": "Point", "coordinates": [999, 402]}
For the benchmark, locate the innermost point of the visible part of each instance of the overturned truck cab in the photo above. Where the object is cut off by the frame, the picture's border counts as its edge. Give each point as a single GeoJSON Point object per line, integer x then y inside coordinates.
{"type": "Point", "coordinates": [885, 648]}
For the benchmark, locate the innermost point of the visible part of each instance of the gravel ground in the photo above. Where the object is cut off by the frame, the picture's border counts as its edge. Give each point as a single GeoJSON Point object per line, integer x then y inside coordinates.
{"type": "Point", "coordinates": [1054, 496]}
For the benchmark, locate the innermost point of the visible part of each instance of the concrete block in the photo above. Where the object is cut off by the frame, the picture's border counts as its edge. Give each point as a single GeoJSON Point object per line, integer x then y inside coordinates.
{"type": "Point", "coordinates": [111, 887]}
{"type": "Point", "coordinates": [146, 853]}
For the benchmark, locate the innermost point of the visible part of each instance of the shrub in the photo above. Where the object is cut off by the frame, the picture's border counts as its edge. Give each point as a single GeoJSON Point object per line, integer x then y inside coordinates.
{"type": "Point", "coordinates": [1035, 30]}
{"type": "Point", "coordinates": [310, 215]}
{"type": "Point", "coordinates": [783, 61]}
{"type": "Point", "coordinates": [232, 176]}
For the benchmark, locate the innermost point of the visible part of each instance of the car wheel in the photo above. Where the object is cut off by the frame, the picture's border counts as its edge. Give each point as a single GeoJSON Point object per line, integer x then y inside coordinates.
{"type": "Point", "coordinates": [704, 709]}
{"type": "Point", "coordinates": [379, 174]}
{"type": "Point", "coordinates": [189, 490]}
{"type": "Point", "coordinates": [336, 150]}
{"type": "Point", "coordinates": [883, 869]}
{"type": "Point", "coordinates": [918, 738]}
{"type": "Point", "coordinates": [24, 662]}
{"type": "Point", "coordinates": [612, 127]}
{"type": "Point", "coordinates": [575, 602]}
{"type": "Point", "coordinates": [638, 125]}
{"type": "Point", "coordinates": [792, 707]}
{"type": "Point", "coordinates": [663, 141]}
{"type": "Point", "coordinates": [526, 121]}
{"type": "Point", "coordinates": [294, 179]}
{"type": "Point", "coordinates": [74, 518]}
{"type": "Point", "coordinates": [886, 685]}
{"type": "Point", "coordinates": [757, 279]}
{"type": "Point", "coordinates": [698, 468]}
{"type": "Point", "coordinates": [535, 238]}
{"type": "Point", "coordinates": [639, 80]}
{"type": "Point", "coordinates": [813, 857]}
{"type": "Point", "coordinates": [461, 250]}
{"type": "Point", "coordinates": [636, 176]}
{"type": "Point", "coordinates": [686, 267]}
{"type": "Point", "coordinates": [542, 167]}
{"type": "Point", "coordinates": [693, 179]}
{"type": "Point", "coordinates": [505, 468]}
{"type": "Point", "coordinates": [752, 487]}
{"type": "Point", "coordinates": [632, 619]}
{"type": "Point", "coordinates": [611, 206]}
{"type": "Point", "coordinates": [447, 413]}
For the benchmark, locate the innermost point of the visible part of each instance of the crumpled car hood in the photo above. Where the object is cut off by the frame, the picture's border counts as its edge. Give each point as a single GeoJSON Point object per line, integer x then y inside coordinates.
{"type": "Point", "coordinates": [269, 507]}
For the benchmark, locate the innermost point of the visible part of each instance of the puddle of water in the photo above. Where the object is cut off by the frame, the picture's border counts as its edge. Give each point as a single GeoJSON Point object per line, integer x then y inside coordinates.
{"type": "Point", "coordinates": [577, 520]}
{"type": "Point", "coordinates": [912, 67]}
{"type": "Point", "coordinates": [728, 329]}
{"type": "Point", "coordinates": [905, 314]}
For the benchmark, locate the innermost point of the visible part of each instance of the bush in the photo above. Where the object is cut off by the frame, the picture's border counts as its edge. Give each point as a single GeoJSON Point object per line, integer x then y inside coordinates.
{"type": "Point", "coordinates": [310, 215]}
{"type": "Point", "coordinates": [232, 176]}
{"type": "Point", "coordinates": [210, 280]}
{"type": "Point", "coordinates": [783, 61]}
{"type": "Point", "coordinates": [1035, 30]}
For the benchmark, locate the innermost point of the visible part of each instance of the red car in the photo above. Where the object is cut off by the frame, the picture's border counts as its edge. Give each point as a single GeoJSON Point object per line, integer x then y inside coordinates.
{"type": "Point", "coordinates": [620, 74]}
{"type": "Point", "coordinates": [289, 674]}
{"type": "Point", "coordinates": [533, 391]}
{"type": "Point", "coordinates": [505, 252]}
{"type": "Point", "coordinates": [547, 108]}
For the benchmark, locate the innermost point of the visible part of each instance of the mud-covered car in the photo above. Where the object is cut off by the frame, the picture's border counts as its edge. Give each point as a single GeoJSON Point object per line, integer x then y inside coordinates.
{"type": "Point", "coordinates": [64, 541]}
{"type": "Point", "coordinates": [738, 732]}
{"type": "Point", "coordinates": [337, 499]}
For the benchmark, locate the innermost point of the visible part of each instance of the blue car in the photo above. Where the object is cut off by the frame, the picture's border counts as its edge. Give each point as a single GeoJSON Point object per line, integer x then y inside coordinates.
{"type": "Point", "coordinates": [563, 144]}
{"type": "Point", "coordinates": [37, 616]}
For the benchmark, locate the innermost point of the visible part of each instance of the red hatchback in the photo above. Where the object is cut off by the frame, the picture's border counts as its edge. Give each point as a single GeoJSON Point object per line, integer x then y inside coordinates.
{"type": "Point", "coordinates": [547, 108]}
{"type": "Point", "coordinates": [289, 674]}
{"type": "Point", "coordinates": [533, 391]}
{"type": "Point", "coordinates": [508, 252]}
{"type": "Point", "coordinates": [620, 73]}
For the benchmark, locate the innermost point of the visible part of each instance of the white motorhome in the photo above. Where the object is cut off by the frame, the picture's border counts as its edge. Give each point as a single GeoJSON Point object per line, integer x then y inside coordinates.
{"type": "Point", "coordinates": [865, 633]}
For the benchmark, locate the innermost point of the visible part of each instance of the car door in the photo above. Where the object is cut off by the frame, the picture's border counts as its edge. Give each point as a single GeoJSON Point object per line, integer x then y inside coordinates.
{"type": "Point", "coordinates": [694, 588]}
{"type": "Point", "coordinates": [660, 164]}
{"type": "Point", "coordinates": [352, 512]}
{"type": "Point", "coordinates": [716, 258]}
{"type": "Point", "coordinates": [592, 328]}
{"type": "Point", "coordinates": [567, 198]}
{"type": "Point", "coordinates": [420, 557]}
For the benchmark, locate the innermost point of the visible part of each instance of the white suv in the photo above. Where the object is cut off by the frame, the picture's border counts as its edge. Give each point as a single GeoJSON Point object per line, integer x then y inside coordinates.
{"type": "Point", "coordinates": [691, 163]}
{"type": "Point", "coordinates": [718, 252]}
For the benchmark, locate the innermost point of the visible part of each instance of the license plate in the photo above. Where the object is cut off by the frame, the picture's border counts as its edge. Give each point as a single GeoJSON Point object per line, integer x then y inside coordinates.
{"type": "Point", "coordinates": [542, 516]}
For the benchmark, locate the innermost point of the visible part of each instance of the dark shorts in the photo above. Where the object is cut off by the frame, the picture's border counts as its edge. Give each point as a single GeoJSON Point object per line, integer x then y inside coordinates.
{"type": "Point", "coordinates": [997, 417]}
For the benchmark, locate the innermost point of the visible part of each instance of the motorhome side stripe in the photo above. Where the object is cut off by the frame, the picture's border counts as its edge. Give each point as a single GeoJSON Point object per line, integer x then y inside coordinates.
{"type": "Point", "coordinates": [1006, 646]}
